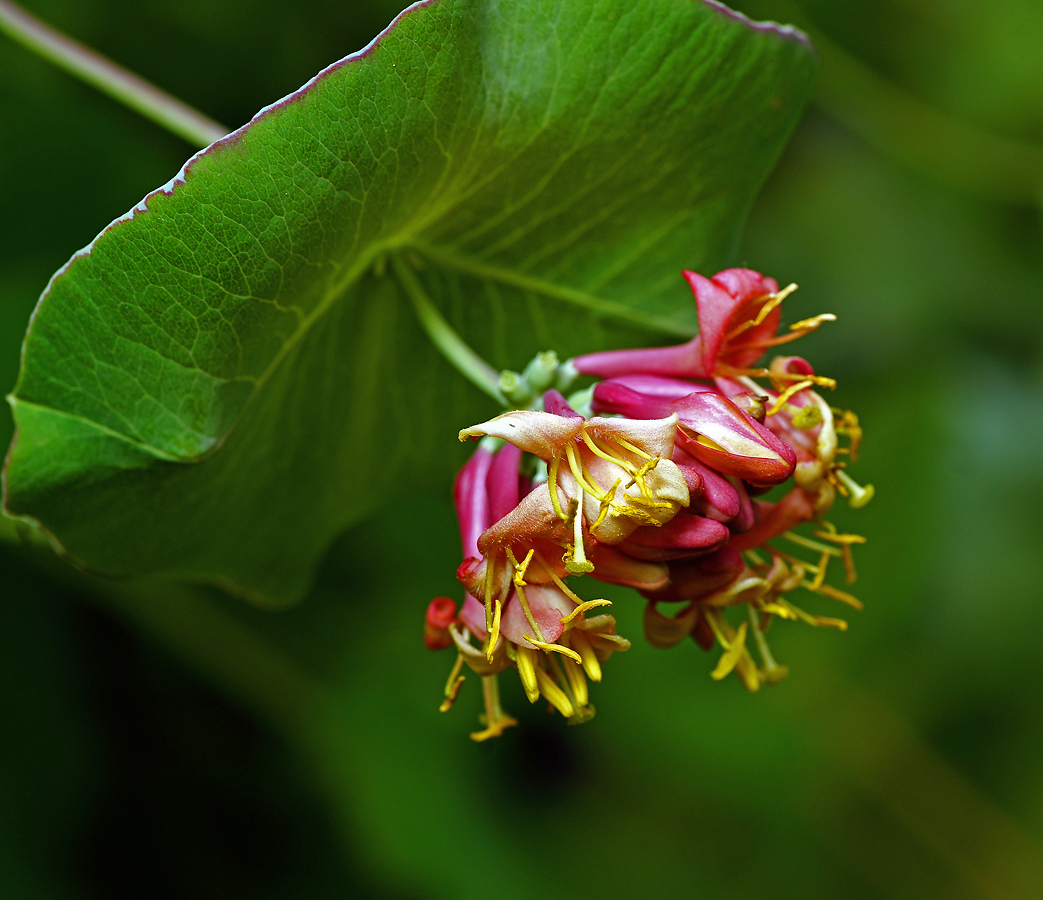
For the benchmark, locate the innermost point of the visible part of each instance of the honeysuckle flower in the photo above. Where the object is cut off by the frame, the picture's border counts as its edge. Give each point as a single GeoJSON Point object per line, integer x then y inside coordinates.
{"type": "Point", "coordinates": [735, 437]}
{"type": "Point", "coordinates": [519, 612]}
{"type": "Point", "coordinates": [658, 486]}
{"type": "Point", "coordinates": [606, 476]}
{"type": "Point", "coordinates": [738, 313]}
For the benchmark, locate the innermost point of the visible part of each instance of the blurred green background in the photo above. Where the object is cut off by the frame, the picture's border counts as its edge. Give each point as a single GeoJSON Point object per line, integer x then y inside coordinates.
{"type": "Point", "coordinates": [171, 743]}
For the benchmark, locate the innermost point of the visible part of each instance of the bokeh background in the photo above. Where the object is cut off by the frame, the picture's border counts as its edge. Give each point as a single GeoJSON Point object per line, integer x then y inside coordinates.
{"type": "Point", "coordinates": [185, 746]}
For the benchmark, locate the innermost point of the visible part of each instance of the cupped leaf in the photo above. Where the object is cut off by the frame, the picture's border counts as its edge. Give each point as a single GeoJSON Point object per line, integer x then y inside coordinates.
{"type": "Point", "coordinates": [231, 373]}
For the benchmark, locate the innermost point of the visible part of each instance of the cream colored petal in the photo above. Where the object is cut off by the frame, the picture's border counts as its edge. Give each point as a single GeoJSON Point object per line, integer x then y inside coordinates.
{"type": "Point", "coordinates": [540, 433]}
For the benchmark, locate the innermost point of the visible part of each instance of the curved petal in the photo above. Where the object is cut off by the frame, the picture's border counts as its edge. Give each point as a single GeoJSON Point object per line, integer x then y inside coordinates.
{"type": "Point", "coordinates": [548, 606]}
{"type": "Point", "coordinates": [534, 431]}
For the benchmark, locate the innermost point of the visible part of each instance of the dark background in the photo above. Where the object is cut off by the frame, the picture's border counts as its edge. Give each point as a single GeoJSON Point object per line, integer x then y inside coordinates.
{"type": "Point", "coordinates": [190, 747]}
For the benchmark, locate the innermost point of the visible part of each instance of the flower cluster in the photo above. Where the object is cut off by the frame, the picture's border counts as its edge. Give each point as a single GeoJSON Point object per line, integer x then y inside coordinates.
{"type": "Point", "coordinates": [653, 484]}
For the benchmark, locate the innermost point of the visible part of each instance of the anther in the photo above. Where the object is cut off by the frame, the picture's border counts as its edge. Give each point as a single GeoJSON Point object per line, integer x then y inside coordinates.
{"type": "Point", "coordinates": [581, 644]}
{"type": "Point", "coordinates": [525, 659]}
{"type": "Point", "coordinates": [554, 694]}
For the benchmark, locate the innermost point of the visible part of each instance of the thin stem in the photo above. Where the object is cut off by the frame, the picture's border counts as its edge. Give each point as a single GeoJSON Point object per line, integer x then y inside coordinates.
{"type": "Point", "coordinates": [108, 77]}
{"type": "Point", "coordinates": [442, 335]}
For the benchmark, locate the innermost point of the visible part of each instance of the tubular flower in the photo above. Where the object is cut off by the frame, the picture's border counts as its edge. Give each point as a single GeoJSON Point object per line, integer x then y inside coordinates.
{"type": "Point", "coordinates": [735, 438]}
{"type": "Point", "coordinates": [519, 611]}
{"type": "Point", "coordinates": [656, 486]}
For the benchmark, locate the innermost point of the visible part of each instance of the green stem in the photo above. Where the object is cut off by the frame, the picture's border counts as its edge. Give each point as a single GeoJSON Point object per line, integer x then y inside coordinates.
{"type": "Point", "coordinates": [442, 335]}
{"type": "Point", "coordinates": [108, 77]}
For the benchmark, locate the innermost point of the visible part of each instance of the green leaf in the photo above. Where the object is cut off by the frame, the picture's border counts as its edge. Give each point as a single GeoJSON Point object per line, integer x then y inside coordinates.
{"type": "Point", "coordinates": [231, 373]}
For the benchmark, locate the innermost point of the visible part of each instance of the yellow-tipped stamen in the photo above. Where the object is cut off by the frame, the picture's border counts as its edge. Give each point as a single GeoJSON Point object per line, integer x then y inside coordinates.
{"type": "Point", "coordinates": [564, 588]}
{"type": "Point", "coordinates": [552, 484]}
{"type": "Point", "coordinates": [548, 647]}
{"type": "Point", "coordinates": [744, 376]}
{"type": "Point", "coordinates": [576, 467]}
{"type": "Point", "coordinates": [728, 638]}
{"type": "Point", "coordinates": [772, 302]}
{"type": "Point", "coordinates": [817, 621]}
{"type": "Point", "coordinates": [806, 325]}
{"type": "Point", "coordinates": [597, 450]}
{"type": "Point", "coordinates": [528, 612]}
{"type": "Point", "coordinates": [525, 660]}
{"type": "Point", "coordinates": [496, 720]}
{"type": "Point", "coordinates": [730, 658]}
{"type": "Point", "coordinates": [577, 682]}
{"type": "Point", "coordinates": [849, 564]}
{"type": "Point", "coordinates": [773, 672]}
{"type": "Point", "coordinates": [784, 397]}
{"type": "Point", "coordinates": [581, 644]}
{"type": "Point", "coordinates": [452, 685]}
{"type": "Point", "coordinates": [859, 495]}
{"type": "Point", "coordinates": [607, 502]}
{"type": "Point", "coordinates": [554, 694]}
{"type": "Point", "coordinates": [582, 608]}
{"type": "Point", "coordinates": [820, 575]}
{"type": "Point", "coordinates": [842, 596]}
{"type": "Point", "coordinates": [642, 485]}
{"type": "Point", "coordinates": [810, 544]}
{"type": "Point", "coordinates": [494, 631]}
{"type": "Point", "coordinates": [575, 558]}
{"type": "Point", "coordinates": [626, 445]}
{"type": "Point", "coordinates": [848, 425]}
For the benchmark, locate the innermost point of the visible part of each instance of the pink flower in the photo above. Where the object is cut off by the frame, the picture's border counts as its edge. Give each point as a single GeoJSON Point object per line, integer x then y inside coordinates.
{"type": "Point", "coordinates": [738, 312]}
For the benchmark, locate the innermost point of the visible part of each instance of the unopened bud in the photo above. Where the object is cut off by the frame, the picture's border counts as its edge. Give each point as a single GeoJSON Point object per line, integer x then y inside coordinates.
{"type": "Point", "coordinates": [441, 612]}
{"type": "Point", "coordinates": [542, 372]}
{"type": "Point", "coordinates": [514, 387]}
{"type": "Point", "coordinates": [751, 404]}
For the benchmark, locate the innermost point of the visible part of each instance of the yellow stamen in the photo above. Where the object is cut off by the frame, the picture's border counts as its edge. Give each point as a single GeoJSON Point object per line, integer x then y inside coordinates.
{"type": "Point", "coordinates": [810, 544]}
{"type": "Point", "coordinates": [772, 302]}
{"type": "Point", "coordinates": [552, 483]}
{"type": "Point", "coordinates": [784, 397]}
{"type": "Point", "coordinates": [577, 682]}
{"type": "Point", "coordinates": [806, 325]}
{"type": "Point", "coordinates": [831, 534]}
{"type": "Point", "coordinates": [608, 457]}
{"type": "Point", "coordinates": [849, 564]}
{"type": "Point", "coordinates": [495, 719]}
{"type": "Point", "coordinates": [575, 558]}
{"type": "Point", "coordinates": [626, 445]}
{"type": "Point", "coordinates": [820, 575]}
{"type": "Point", "coordinates": [842, 596]}
{"type": "Point", "coordinates": [817, 621]}
{"type": "Point", "coordinates": [525, 660]}
{"type": "Point", "coordinates": [554, 694]}
{"type": "Point", "coordinates": [582, 608]}
{"type": "Point", "coordinates": [548, 647]}
{"type": "Point", "coordinates": [607, 502]}
{"type": "Point", "coordinates": [452, 685]}
{"type": "Point", "coordinates": [732, 652]}
{"type": "Point", "coordinates": [773, 672]}
{"type": "Point", "coordinates": [528, 613]}
{"type": "Point", "coordinates": [564, 588]}
{"type": "Point", "coordinates": [581, 644]}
